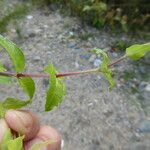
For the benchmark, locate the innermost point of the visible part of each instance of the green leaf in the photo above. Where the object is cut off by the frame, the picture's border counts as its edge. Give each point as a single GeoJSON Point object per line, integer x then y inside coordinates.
{"type": "Point", "coordinates": [28, 85]}
{"type": "Point", "coordinates": [14, 52]}
{"type": "Point", "coordinates": [4, 80]}
{"type": "Point", "coordinates": [56, 90]}
{"type": "Point", "coordinates": [7, 136]}
{"type": "Point", "coordinates": [12, 103]}
{"type": "Point", "coordinates": [41, 145]}
{"type": "Point", "coordinates": [104, 67]}
{"type": "Point", "coordinates": [8, 143]}
{"type": "Point", "coordinates": [2, 110]}
{"type": "Point", "coordinates": [15, 144]}
{"type": "Point", "coordinates": [137, 51]}
{"type": "Point", "coordinates": [99, 7]}
{"type": "Point", "coordinates": [86, 8]}
{"type": "Point", "coordinates": [2, 69]}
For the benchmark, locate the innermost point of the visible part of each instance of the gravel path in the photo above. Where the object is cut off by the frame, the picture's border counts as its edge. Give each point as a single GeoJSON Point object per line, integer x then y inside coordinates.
{"type": "Point", "coordinates": [90, 118]}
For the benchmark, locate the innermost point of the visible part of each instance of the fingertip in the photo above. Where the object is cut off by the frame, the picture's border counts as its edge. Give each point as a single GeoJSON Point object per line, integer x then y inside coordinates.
{"type": "Point", "coordinates": [49, 133]}
{"type": "Point", "coordinates": [46, 133]}
{"type": "Point", "coordinates": [23, 122]}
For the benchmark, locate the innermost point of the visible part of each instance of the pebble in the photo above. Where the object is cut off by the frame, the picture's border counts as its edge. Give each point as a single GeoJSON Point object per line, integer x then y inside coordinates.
{"type": "Point", "coordinates": [92, 58]}
{"type": "Point", "coordinates": [71, 33]}
{"type": "Point", "coordinates": [49, 53]}
{"type": "Point", "coordinates": [29, 17]}
{"type": "Point", "coordinates": [142, 69]}
{"type": "Point", "coordinates": [78, 50]}
{"type": "Point", "coordinates": [142, 86]}
{"type": "Point", "coordinates": [147, 88]}
{"type": "Point", "coordinates": [45, 26]}
{"type": "Point", "coordinates": [144, 126]}
{"type": "Point", "coordinates": [32, 35]}
{"type": "Point", "coordinates": [60, 37]}
{"type": "Point", "coordinates": [85, 56]}
{"type": "Point", "coordinates": [88, 44]}
{"type": "Point", "coordinates": [115, 54]}
{"type": "Point", "coordinates": [135, 137]}
{"type": "Point", "coordinates": [36, 58]}
{"type": "Point", "coordinates": [76, 64]}
{"type": "Point", "coordinates": [97, 62]}
{"type": "Point", "coordinates": [71, 45]}
{"type": "Point", "coordinates": [107, 112]}
{"type": "Point", "coordinates": [90, 104]}
{"type": "Point", "coordinates": [37, 30]}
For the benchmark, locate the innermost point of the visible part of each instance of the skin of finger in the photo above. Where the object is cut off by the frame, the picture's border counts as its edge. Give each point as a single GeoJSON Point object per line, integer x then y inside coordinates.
{"type": "Point", "coordinates": [46, 133]}
{"type": "Point", "coordinates": [3, 128]}
{"type": "Point", "coordinates": [23, 122]}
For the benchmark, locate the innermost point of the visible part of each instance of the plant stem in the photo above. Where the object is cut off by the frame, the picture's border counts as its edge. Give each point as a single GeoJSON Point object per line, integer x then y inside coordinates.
{"type": "Point", "coordinates": [8, 74]}
{"type": "Point", "coordinates": [118, 60]}
{"type": "Point", "coordinates": [77, 73]}
{"type": "Point", "coordinates": [18, 75]}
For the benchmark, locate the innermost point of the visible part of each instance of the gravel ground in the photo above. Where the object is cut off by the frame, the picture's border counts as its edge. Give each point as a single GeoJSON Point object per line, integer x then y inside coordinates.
{"type": "Point", "coordinates": [90, 117]}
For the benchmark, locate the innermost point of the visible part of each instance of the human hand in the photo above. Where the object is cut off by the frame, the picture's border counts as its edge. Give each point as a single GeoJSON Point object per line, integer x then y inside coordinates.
{"type": "Point", "coordinates": [26, 123]}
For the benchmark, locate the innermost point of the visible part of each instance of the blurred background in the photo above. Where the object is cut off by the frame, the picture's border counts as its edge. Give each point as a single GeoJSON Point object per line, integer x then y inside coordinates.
{"type": "Point", "coordinates": [63, 32]}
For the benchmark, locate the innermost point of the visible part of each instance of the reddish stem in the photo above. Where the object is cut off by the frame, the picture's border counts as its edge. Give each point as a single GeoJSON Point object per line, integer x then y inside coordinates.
{"type": "Point", "coordinates": [9, 74]}
{"type": "Point", "coordinates": [117, 61]}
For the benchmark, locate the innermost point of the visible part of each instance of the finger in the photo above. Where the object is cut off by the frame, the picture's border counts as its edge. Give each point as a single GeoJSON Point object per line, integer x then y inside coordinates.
{"type": "Point", "coordinates": [46, 133]}
{"type": "Point", "coordinates": [23, 122]}
{"type": "Point", "coordinates": [3, 128]}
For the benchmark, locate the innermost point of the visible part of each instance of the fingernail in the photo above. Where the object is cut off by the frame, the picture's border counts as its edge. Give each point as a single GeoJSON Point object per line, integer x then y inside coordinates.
{"type": "Point", "coordinates": [3, 128]}
{"type": "Point", "coordinates": [18, 120]}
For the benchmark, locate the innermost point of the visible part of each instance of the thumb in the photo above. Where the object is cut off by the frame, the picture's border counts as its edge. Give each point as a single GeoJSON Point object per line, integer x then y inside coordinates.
{"type": "Point", "coordinates": [23, 122]}
{"type": "Point", "coordinates": [3, 128]}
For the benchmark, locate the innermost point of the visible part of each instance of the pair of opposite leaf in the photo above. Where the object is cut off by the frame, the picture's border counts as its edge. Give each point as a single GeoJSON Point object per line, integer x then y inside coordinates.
{"type": "Point", "coordinates": [54, 93]}
{"type": "Point", "coordinates": [134, 52]}
{"type": "Point", "coordinates": [56, 90]}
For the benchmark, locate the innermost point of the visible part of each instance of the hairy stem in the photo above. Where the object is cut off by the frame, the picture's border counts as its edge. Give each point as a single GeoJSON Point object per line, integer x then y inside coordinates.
{"type": "Point", "coordinates": [9, 74]}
